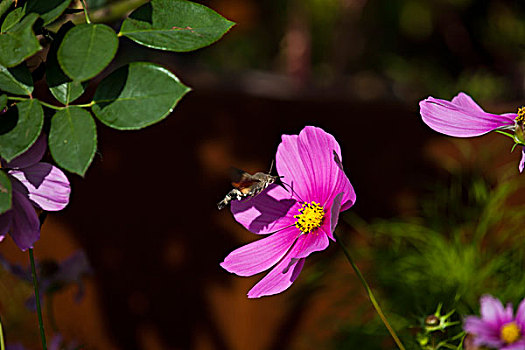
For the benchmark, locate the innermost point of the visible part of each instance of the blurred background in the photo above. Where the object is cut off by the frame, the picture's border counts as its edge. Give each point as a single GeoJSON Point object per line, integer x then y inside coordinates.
{"type": "Point", "coordinates": [437, 219]}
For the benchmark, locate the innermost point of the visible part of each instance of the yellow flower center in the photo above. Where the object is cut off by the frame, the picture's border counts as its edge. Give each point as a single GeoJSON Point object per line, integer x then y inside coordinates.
{"type": "Point", "coordinates": [310, 217]}
{"type": "Point", "coordinates": [510, 333]}
{"type": "Point", "coordinates": [521, 115]}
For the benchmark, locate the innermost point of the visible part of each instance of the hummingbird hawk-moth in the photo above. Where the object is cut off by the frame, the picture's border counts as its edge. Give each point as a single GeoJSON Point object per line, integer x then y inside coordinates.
{"type": "Point", "coordinates": [246, 185]}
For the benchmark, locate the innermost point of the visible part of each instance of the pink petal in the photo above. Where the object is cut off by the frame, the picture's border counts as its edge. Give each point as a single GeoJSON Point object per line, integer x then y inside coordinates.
{"type": "Point", "coordinates": [32, 155]}
{"type": "Point", "coordinates": [492, 310]}
{"type": "Point", "coordinates": [25, 226]}
{"type": "Point", "coordinates": [267, 212]}
{"type": "Point", "coordinates": [48, 186]}
{"type": "Point", "coordinates": [335, 209]}
{"type": "Point", "coordinates": [322, 154]}
{"type": "Point", "coordinates": [294, 171]}
{"type": "Point", "coordinates": [297, 269]}
{"type": "Point", "coordinates": [260, 255]}
{"type": "Point", "coordinates": [522, 161]}
{"type": "Point", "coordinates": [520, 315]}
{"type": "Point", "coordinates": [484, 333]}
{"type": "Point", "coordinates": [461, 117]}
{"type": "Point", "coordinates": [314, 241]}
{"type": "Point", "coordinates": [278, 279]}
{"type": "Point", "coordinates": [465, 101]}
{"type": "Point", "coordinates": [519, 345]}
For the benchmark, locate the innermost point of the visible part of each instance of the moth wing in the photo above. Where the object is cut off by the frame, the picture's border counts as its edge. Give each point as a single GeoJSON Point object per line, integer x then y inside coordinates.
{"type": "Point", "coordinates": [242, 180]}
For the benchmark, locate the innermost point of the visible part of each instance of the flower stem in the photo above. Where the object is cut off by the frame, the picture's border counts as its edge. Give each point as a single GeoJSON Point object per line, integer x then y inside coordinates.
{"type": "Point", "coordinates": [84, 6]}
{"type": "Point", "coordinates": [2, 343]}
{"type": "Point", "coordinates": [370, 295]}
{"type": "Point", "coordinates": [37, 298]}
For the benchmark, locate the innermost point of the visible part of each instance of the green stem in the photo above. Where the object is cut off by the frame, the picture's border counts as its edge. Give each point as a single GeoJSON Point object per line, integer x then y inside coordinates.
{"type": "Point", "coordinates": [2, 343]}
{"type": "Point", "coordinates": [37, 297]}
{"type": "Point", "coordinates": [85, 105]}
{"type": "Point", "coordinates": [84, 6]}
{"type": "Point", "coordinates": [370, 295]}
{"type": "Point", "coordinates": [14, 98]}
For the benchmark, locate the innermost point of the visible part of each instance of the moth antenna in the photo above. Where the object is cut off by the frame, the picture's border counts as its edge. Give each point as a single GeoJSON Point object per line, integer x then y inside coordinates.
{"type": "Point", "coordinates": [271, 167]}
{"type": "Point", "coordinates": [293, 191]}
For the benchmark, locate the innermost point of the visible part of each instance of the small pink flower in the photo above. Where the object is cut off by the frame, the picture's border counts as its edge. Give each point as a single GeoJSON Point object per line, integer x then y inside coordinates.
{"type": "Point", "coordinates": [462, 117]}
{"type": "Point", "coordinates": [298, 222]}
{"type": "Point", "coordinates": [34, 183]}
{"type": "Point", "coordinates": [498, 327]}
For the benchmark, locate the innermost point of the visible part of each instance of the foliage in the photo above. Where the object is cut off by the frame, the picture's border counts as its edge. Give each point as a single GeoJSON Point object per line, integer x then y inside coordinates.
{"type": "Point", "coordinates": [464, 242]}
{"type": "Point", "coordinates": [69, 56]}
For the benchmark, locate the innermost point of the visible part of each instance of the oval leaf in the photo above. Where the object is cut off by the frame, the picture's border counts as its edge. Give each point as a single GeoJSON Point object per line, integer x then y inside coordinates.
{"type": "Point", "coordinates": [19, 42]}
{"type": "Point", "coordinates": [16, 80]}
{"type": "Point", "coordinates": [61, 86]}
{"type": "Point", "coordinates": [5, 193]}
{"type": "Point", "coordinates": [86, 50]}
{"type": "Point", "coordinates": [48, 10]}
{"type": "Point", "coordinates": [19, 128]}
{"type": "Point", "coordinates": [137, 95]}
{"type": "Point", "coordinates": [175, 25]}
{"type": "Point", "coordinates": [73, 139]}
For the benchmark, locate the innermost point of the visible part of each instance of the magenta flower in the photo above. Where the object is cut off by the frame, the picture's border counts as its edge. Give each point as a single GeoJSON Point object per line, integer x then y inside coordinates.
{"type": "Point", "coordinates": [497, 327]}
{"type": "Point", "coordinates": [462, 117]}
{"type": "Point", "coordinates": [298, 222]}
{"type": "Point", "coordinates": [34, 183]}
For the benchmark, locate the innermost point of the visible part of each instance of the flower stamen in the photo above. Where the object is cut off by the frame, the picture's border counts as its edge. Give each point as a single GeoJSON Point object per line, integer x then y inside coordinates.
{"type": "Point", "coordinates": [510, 333]}
{"type": "Point", "coordinates": [311, 217]}
{"type": "Point", "coordinates": [521, 115]}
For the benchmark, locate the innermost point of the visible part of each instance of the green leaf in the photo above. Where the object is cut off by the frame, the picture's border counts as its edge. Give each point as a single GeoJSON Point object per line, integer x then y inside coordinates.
{"type": "Point", "coordinates": [175, 25]}
{"type": "Point", "coordinates": [5, 193]}
{"type": "Point", "coordinates": [4, 6]}
{"type": "Point", "coordinates": [49, 10]}
{"type": "Point", "coordinates": [86, 50]}
{"type": "Point", "coordinates": [12, 18]}
{"type": "Point", "coordinates": [16, 80]}
{"type": "Point", "coordinates": [137, 95]}
{"type": "Point", "coordinates": [61, 86]}
{"type": "Point", "coordinates": [73, 139]}
{"type": "Point", "coordinates": [19, 128]}
{"type": "Point", "coordinates": [19, 42]}
{"type": "Point", "coordinates": [3, 102]}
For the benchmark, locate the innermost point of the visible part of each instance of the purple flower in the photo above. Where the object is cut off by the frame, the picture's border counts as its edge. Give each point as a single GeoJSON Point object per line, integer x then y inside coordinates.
{"type": "Point", "coordinates": [56, 343]}
{"type": "Point", "coordinates": [462, 117]}
{"type": "Point", "coordinates": [298, 222]}
{"type": "Point", "coordinates": [498, 327]}
{"type": "Point", "coordinates": [34, 183]}
{"type": "Point", "coordinates": [53, 276]}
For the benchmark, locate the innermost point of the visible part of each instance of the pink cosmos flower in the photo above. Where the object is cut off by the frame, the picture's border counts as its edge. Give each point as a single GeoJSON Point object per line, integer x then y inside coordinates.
{"type": "Point", "coordinates": [297, 222]}
{"type": "Point", "coordinates": [33, 183]}
{"type": "Point", "coordinates": [497, 327]}
{"type": "Point", "coordinates": [462, 117]}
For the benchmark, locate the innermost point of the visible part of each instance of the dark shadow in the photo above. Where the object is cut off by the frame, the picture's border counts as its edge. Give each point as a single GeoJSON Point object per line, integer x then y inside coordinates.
{"type": "Point", "coordinates": [143, 13]}
{"type": "Point", "coordinates": [37, 173]}
{"type": "Point", "coordinates": [263, 202]}
{"type": "Point", "coordinates": [8, 120]}
{"type": "Point", "coordinates": [111, 87]}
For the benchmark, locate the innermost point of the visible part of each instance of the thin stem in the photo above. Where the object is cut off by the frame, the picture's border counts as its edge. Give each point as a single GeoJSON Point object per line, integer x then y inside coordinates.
{"type": "Point", "coordinates": [84, 6]}
{"type": "Point", "coordinates": [2, 343]}
{"type": "Point", "coordinates": [14, 98]}
{"type": "Point", "coordinates": [37, 297]}
{"type": "Point", "coordinates": [370, 295]}
{"type": "Point", "coordinates": [85, 105]}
